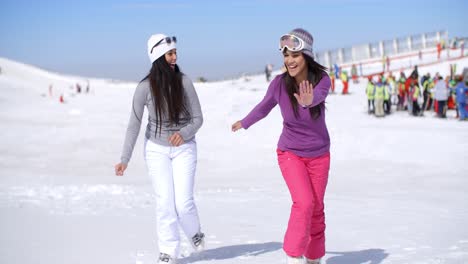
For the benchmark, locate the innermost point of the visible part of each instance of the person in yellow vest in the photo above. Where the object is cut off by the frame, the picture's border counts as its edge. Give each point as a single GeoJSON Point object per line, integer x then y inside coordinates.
{"type": "Point", "coordinates": [428, 85]}
{"type": "Point", "coordinates": [370, 90]}
{"type": "Point", "coordinates": [414, 94]}
{"type": "Point", "coordinates": [344, 79]}
{"type": "Point", "coordinates": [379, 97]}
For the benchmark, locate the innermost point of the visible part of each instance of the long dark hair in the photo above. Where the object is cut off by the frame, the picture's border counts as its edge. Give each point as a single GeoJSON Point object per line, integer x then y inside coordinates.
{"type": "Point", "coordinates": [167, 93]}
{"type": "Point", "coordinates": [314, 75]}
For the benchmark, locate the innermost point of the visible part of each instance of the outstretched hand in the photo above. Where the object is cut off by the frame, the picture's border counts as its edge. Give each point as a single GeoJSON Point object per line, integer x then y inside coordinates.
{"type": "Point", "coordinates": [306, 93]}
{"type": "Point", "coordinates": [236, 126]}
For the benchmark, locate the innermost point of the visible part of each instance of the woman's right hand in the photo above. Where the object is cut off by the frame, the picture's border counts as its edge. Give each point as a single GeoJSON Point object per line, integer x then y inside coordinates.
{"type": "Point", "coordinates": [236, 126]}
{"type": "Point", "coordinates": [120, 168]}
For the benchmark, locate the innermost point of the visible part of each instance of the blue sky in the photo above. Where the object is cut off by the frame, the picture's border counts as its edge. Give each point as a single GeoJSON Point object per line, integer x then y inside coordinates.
{"type": "Point", "coordinates": [216, 39]}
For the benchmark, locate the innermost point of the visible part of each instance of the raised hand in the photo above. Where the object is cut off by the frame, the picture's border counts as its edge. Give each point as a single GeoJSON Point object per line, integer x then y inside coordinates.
{"type": "Point", "coordinates": [306, 93]}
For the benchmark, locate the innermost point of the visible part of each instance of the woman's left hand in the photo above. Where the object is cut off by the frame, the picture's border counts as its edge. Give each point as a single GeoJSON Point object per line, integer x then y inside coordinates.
{"type": "Point", "coordinates": [306, 93]}
{"type": "Point", "coordinates": [176, 139]}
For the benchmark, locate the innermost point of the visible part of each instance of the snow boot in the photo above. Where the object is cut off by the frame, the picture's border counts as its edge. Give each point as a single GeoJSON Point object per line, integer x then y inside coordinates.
{"type": "Point", "coordinates": [295, 260]}
{"type": "Point", "coordinates": [166, 259]}
{"type": "Point", "coordinates": [198, 241]}
{"type": "Point", "coordinates": [312, 261]}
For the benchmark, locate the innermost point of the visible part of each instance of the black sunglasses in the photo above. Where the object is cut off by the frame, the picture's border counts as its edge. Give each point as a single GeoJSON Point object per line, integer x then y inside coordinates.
{"type": "Point", "coordinates": [168, 40]}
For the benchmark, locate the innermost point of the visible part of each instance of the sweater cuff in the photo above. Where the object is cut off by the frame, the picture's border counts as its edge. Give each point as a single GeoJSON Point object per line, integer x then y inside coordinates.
{"type": "Point", "coordinates": [124, 160]}
{"type": "Point", "coordinates": [244, 124]}
{"type": "Point", "coordinates": [184, 134]}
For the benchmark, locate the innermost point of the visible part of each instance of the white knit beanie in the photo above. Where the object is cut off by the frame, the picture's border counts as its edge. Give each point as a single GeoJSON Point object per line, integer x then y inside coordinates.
{"type": "Point", "coordinates": [160, 49]}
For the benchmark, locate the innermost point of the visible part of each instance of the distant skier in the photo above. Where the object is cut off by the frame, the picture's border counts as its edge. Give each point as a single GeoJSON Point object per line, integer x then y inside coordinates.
{"type": "Point", "coordinates": [461, 90]}
{"type": "Point", "coordinates": [451, 102]}
{"type": "Point", "coordinates": [78, 88]}
{"type": "Point", "coordinates": [415, 73]}
{"type": "Point", "coordinates": [409, 85]}
{"type": "Point", "coordinates": [268, 71]}
{"type": "Point", "coordinates": [392, 86]}
{"type": "Point", "coordinates": [387, 104]}
{"type": "Point", "coordinates": [414, 93]}
{"type": "Point", "coordinates": [428, 85]}
{"type": "Point", "coordinates": [370, 92]}
{"type": "Point", "coordinates": [401, 92]}
{"type": "Point", "coordinates": [344, 79]}
{"type": "Point", "coordinates": [51, 93]}
{"type": "Point", "coordinates": [441, 94]}
{"type": "Point", "coordinates": [354, 74]}
{"type": "Point", "coordinates": [379, 97]}
{"type": "Point", "coordinates": [337, 71]}
{"type": "Point", "coordinates": [439, 50]}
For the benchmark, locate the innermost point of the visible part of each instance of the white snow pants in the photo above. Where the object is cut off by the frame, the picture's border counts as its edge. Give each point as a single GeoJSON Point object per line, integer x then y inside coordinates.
{"type": "Point", "coordinates": [172, 172]}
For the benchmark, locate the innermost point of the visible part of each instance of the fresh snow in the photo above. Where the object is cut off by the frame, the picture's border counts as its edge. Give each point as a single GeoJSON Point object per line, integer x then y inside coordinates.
{"type": "Point", "coordinates": [397, 191]}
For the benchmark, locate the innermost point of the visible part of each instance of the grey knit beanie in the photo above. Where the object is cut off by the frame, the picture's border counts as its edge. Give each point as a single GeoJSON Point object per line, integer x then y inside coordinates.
{"type": "Point", "coordinates": [307, 38]}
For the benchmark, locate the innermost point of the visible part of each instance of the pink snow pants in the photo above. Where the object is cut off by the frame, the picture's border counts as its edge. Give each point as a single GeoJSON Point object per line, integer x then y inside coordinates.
{"type": "Point", "coordinates": [306, 179]}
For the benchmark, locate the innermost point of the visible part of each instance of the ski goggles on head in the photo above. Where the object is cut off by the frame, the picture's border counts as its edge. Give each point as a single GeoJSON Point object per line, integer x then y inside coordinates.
{"type": "Point", "coordinates": [292, 43]}
{"type": "Point", "coordinates": [167, 40]}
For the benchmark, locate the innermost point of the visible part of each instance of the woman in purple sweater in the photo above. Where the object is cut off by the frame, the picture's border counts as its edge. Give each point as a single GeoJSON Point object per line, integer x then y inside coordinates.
{"type": "Point", "coordinates": [304, 145]}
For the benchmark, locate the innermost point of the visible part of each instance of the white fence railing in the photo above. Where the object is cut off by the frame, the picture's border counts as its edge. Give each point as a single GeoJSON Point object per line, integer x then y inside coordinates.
{"type": "Point", "coordinates": [376, 50]}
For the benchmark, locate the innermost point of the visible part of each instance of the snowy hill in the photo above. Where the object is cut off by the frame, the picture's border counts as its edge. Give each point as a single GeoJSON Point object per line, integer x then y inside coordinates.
{"type": "Point", "coordinates": [397, 189]}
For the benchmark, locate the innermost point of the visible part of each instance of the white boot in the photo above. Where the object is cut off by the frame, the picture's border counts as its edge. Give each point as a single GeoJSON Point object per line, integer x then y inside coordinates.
{"type": "Point", "coordinates": [312, 261]}
{"type": "Point", "coordinates": [198, 241]}
{"type": "Point", "coordinates": [166, 259]}
{"type": "Point", "coordinates": [295, 260]}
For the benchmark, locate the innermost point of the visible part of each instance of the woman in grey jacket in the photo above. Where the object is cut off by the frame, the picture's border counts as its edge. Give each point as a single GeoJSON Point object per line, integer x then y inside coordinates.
{"type": "Point", "coordinates": [174, 117]}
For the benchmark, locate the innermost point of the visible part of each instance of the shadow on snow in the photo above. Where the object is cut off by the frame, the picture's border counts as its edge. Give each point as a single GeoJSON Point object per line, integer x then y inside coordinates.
{"type": "Point", "coordinates": [368, 256]}
{"type": "Point", "coordinates": [229, 252]}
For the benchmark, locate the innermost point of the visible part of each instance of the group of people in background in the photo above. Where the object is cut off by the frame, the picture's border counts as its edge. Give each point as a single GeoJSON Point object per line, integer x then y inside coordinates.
{"type": "Point", "coordinates": [418, 94]}
{"type": "Point", "coordinates": [74, 89]}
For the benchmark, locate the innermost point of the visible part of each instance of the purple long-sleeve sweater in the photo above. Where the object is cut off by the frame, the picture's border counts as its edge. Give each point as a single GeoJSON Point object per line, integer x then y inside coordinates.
{"type": "Point", "coordinates": [303, 136]}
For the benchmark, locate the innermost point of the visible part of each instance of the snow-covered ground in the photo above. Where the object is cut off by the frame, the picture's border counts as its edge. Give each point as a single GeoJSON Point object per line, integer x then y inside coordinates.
{"type": "Point", "coordinates": [397, 192]}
